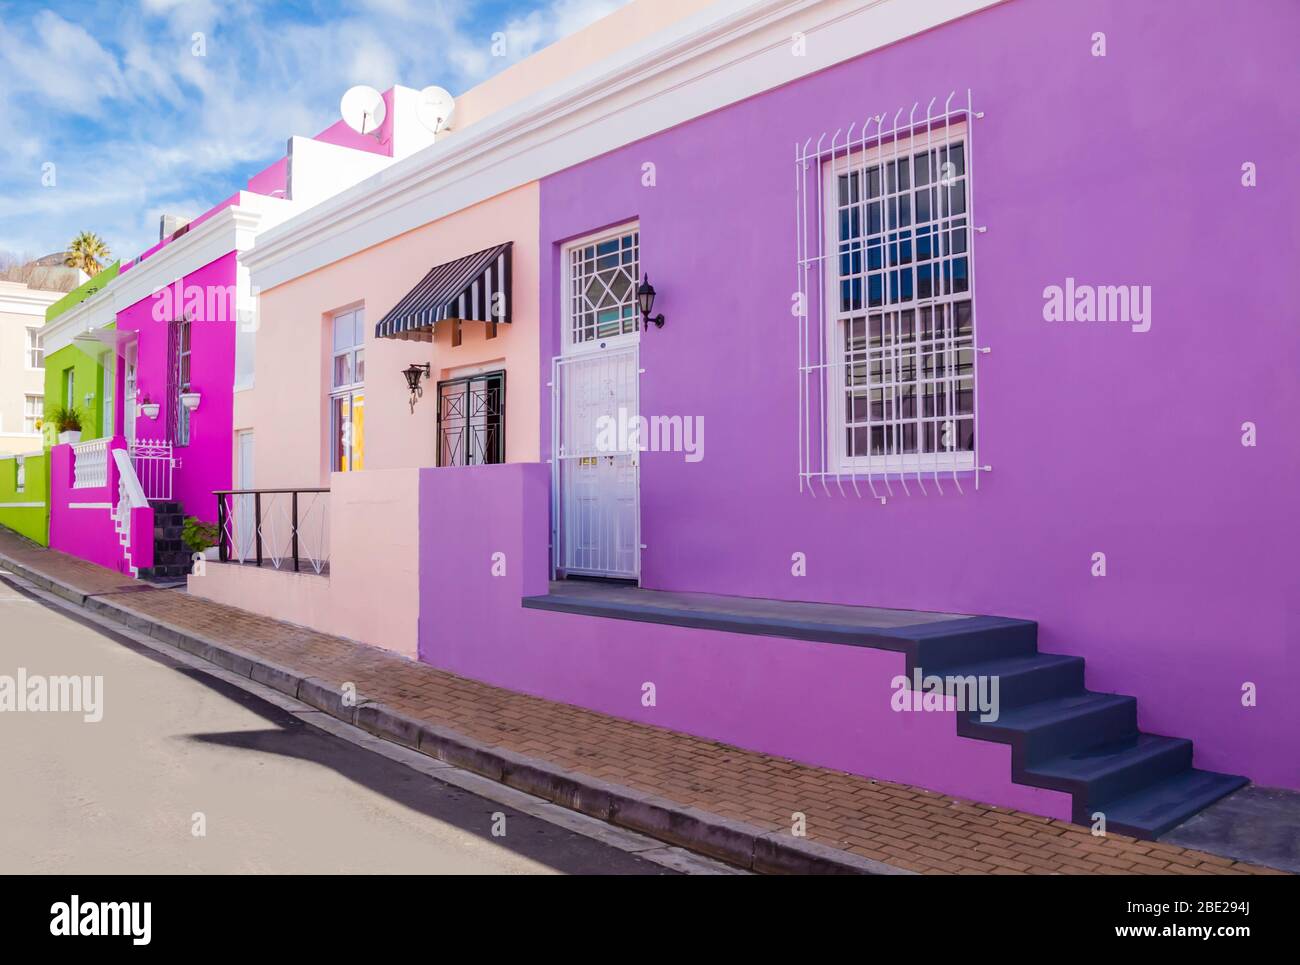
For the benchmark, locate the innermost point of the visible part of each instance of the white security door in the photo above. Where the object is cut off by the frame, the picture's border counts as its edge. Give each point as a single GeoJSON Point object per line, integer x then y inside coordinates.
{"type": "Point", "coordinates": [596, 466]}
{"type": "Point", "coordinates": [128, 393]}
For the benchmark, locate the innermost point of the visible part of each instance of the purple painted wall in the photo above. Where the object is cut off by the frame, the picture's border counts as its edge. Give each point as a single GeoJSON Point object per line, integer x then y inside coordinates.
{"type": "Point", "coordinates": [1117, 170]}
{"type": "Point", "coordinates": [820, 703]}
{"type": "Point", "coordinates": [205, 462]}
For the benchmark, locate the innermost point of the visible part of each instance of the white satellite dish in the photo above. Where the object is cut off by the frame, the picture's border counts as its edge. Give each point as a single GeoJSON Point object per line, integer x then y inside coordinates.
{"type": "Point", "coordinates": [435, 108]}
{"type": "Point", "coordinates": [363, 109]}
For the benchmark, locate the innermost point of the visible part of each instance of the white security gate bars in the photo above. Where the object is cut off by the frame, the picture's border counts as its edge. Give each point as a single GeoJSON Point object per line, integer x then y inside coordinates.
{"type": "Point", "coordinates": [885, 284]}
{"type": "Point", "coordinates": [596, 514]}
{"type": "Point", "coordinates": [154, 465]}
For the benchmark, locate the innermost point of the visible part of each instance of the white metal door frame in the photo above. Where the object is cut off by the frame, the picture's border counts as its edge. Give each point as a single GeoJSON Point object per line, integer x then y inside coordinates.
{"type": "Point", "coordinates": [595, 540]}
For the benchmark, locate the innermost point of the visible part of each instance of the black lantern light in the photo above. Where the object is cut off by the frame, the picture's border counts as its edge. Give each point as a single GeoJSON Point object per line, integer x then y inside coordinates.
{"type": "Point", "coordinates": [645, 299]}
{"type": "Point", "coordinates": [413, 373]}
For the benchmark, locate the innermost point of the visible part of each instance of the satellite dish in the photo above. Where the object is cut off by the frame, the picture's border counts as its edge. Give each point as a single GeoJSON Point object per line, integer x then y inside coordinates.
{"type": "Point", "coordinates": [363, 109]}
{"type": "Point", "coordinates": [435, 108]}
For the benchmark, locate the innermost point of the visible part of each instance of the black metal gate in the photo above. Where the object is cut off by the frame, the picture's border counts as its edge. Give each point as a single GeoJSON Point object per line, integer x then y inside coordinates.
{"type": "Point", "coordinates": [472, 420]}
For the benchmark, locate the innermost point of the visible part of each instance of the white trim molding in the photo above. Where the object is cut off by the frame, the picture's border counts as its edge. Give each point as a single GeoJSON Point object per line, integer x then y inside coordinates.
{"type": "Point", "coordinates": [27, 301]}
{"type": "Point", "coordinates": [22, 505]}
{"type": "Point", "coordinates": [231, 229]}
{"type": "Point", "coordinates": [727, 52]}
{"type": "Point", "coordinates": [90, 505]}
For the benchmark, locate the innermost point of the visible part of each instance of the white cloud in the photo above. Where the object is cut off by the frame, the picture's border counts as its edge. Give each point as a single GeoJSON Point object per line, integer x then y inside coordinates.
{"type": "Point", "coordinates": [137, 125]}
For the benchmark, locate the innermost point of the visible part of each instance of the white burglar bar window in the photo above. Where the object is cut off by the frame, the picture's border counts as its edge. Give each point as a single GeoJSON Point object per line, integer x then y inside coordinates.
{"type": "Point", "coordinates": [888, 340]}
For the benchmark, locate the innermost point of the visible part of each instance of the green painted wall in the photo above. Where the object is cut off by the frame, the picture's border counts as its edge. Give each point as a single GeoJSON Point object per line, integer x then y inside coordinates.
{"type": "Point", "coordinates": [82, 292]}
{"type": "Point", "coordinates": [30, 521]}
{"type": "Point", "coordinates": [88, 376]}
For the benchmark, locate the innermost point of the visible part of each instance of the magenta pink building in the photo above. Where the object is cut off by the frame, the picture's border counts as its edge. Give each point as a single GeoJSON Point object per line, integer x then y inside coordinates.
{"type": "Point", "coordinates": [181, 319]}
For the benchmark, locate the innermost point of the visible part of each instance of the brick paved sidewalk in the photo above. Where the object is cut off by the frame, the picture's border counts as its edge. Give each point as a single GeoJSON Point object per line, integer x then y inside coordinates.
{"type": "Point", "coordinates": [906, 827]}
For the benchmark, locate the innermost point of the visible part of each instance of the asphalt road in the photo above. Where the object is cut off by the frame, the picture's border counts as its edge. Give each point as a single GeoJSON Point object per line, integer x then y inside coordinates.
{"type": "Point", "coordinates": [179, 750]}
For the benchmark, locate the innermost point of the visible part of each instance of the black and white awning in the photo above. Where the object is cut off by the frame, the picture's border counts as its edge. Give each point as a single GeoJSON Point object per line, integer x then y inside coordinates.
{"type": "Point", "coordinates": [473, 288]}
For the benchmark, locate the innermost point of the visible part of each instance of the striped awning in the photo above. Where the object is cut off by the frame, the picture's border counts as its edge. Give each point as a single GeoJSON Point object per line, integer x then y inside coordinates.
{"type": "Point", "coordinates": [473, 288]}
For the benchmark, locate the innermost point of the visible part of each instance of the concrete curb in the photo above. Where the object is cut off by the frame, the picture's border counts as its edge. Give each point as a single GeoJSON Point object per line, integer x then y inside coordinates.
{"type": "Point", "coordinates": [735, 842]}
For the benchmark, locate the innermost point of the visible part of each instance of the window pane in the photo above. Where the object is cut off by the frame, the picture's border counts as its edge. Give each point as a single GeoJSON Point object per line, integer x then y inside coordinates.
{"type": "Point", "coordinates": [602, 286]}
{"type": "Point", "coordinates": [358, 430]}
{"type": "Point", "coordinates": [359, 369]}
{"type": "Point", "coordinates": [343, 369]}
{"type": "Point", "coordinates": [348, 424]}
{"type": "Point", "coordinates": [360, 337]}
{"type": "Point", "coordinates": [344, 330]}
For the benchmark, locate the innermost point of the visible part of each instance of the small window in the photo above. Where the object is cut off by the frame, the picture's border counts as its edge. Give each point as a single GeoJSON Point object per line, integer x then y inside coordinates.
{"type": "Point", "coordinates": [603, 277]}
{"type": "Point", "coordinates": [183, 356]}
{"type": "Point", "coordinates": [35, 350]}
{"type": "Point", "coordinates": [347, 399]}
{"type": "Point", "coordinates": [33, 413]}
{"type": "Point", "coordinates": [472, 420]}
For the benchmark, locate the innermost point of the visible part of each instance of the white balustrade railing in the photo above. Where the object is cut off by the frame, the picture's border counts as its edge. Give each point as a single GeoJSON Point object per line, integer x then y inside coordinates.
{"type": "Point", "coordinates": [90, 464]}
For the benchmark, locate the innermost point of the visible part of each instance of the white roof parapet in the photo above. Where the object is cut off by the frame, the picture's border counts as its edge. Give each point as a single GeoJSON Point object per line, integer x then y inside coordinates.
{"type": "Point", "coordinates": [725, 53]}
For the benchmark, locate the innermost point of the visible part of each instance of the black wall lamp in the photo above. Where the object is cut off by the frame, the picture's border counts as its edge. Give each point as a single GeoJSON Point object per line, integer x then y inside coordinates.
{"type": "Point", "coordinates": [645, 298]}
{"type": "Point", "coordinates": [413, 373]}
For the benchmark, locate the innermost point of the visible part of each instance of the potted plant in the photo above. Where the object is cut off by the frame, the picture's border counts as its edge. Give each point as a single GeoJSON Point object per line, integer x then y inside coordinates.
{"type": "Point", "coordinates": [67, 423]}
{"type": "Point", "coordinates": [150, 409]}
{"type": "Point", "coordinates": [200, 537]}
{"type": "Point", "coordinates": [190, 400]}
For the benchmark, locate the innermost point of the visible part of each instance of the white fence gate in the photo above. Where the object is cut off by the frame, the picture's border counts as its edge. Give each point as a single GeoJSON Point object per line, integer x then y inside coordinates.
{"type": "Point", "coordinates": [596, 513]}
{"type": "Point", "coordinates": [154, 465]}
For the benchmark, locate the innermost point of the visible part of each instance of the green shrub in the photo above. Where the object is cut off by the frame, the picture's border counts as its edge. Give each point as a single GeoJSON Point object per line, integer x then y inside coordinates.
{"type": "Point", "coordinates": [66, 418]}
{"type": "Point", "coordinates": [198, 535]}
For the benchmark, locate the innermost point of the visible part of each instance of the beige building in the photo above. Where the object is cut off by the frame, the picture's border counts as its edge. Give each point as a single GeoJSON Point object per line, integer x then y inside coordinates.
{"type": "Point", "coordinates": [22, 368]}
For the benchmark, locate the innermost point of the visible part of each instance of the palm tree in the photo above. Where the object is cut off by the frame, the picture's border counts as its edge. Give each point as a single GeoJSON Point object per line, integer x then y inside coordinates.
{"type": "Point", "coordinates": [85, 253]}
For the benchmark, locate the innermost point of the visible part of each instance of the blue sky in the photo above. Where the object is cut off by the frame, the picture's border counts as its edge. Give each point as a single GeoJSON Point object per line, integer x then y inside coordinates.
{"type": "Point", "coordinates": [136, 125]}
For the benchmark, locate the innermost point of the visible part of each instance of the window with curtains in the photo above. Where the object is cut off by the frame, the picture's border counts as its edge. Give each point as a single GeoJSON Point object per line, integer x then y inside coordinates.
{"type": "Point", "coordinates": [347, 395]}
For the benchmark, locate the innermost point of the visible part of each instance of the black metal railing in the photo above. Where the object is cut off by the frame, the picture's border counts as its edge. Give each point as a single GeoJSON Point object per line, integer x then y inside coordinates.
{"type": "Point", "coordinates": [279, 526]}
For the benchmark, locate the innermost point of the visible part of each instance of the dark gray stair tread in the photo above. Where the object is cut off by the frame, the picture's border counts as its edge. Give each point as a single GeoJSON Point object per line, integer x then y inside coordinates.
{"type": "Point", "coordinates": [1058, 709]}
{"type": "Point", "coordinates": [1021, 663]}
{"type": "Point", "coordinates": [1166, 804]}
{"type": "Point", "coordinates": [1095, 762]}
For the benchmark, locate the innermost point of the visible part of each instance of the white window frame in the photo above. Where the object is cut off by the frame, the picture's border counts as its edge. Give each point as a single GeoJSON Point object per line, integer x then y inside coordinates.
{"type": "Point", "coordinates": [35, 356]}
{"type": "Point", "coordinates": [349, 390]}
{"type": "Point", "coordinates": [28, 398]}
{"type": "Point", "coordinates": [570, 345]}
{"type": "Point", "coordinates": [835, 427]}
